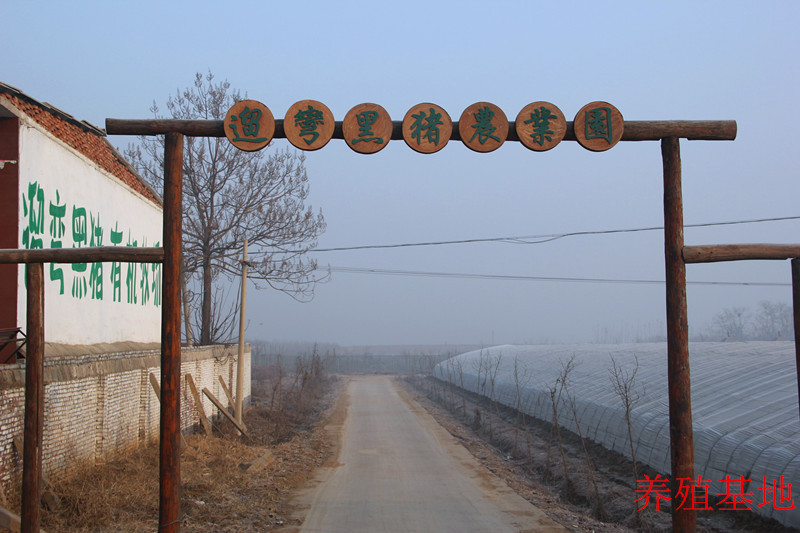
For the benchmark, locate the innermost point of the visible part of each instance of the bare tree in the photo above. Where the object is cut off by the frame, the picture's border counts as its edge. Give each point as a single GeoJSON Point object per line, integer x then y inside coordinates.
{"type": "Point", "coordinates": [773, 320]}
{"type": "Point", "coordinates": [624, 383]}
{"type": "Point", "coordinates": [732, 323]}
{"type": "Point", "coordinates": [522, 378]}
{"type": "Point", "coordinates": [230, 195]}
{"type": "Point", "coordinates": [599, 510]}
{"type": "Point", "coordinates": [458, 364]}
{"type": "Point", "coordinates": [555, 399]}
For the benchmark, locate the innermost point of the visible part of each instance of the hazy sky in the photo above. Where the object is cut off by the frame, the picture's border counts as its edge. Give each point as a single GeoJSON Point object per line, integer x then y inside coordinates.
{"type": "Point", "coordinates": [652, 60]}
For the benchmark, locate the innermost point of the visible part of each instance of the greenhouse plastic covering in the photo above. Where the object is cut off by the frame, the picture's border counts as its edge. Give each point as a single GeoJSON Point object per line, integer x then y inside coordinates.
{"type": "Point", "coordinates": [744, 404]}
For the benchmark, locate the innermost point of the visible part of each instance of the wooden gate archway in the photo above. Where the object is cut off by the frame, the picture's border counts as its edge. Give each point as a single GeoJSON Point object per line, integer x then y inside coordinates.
{"type": "Point", "coordinates": [677, 255]}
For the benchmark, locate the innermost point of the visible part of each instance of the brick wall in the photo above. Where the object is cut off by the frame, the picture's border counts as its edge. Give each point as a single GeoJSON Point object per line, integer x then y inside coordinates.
{"type": "Point", "coordinates": [98, 407]}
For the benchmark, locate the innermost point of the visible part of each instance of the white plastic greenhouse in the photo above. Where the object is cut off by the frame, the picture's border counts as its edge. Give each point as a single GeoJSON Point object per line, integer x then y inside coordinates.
{"type": "Point", "coordinates": [744, 404]}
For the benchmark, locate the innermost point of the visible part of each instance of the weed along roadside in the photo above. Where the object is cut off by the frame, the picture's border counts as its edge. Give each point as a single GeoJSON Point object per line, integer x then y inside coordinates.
{"type": "Point", "coordinates": [229, 482]}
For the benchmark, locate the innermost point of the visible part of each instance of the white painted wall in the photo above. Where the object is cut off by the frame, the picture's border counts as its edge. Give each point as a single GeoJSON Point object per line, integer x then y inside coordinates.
{"type": "Point", "coordinates": [96, 204]}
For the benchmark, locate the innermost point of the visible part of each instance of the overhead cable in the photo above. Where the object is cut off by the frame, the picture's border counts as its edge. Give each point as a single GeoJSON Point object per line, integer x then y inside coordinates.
{"type": "Point", "coordinates": [539, 239]}
{"type": "Point", "coordinates": [462, 275]}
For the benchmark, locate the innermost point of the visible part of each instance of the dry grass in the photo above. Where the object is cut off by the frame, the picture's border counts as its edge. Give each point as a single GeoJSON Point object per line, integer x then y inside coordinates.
{"type": "Point", "coordinates": [229, 482]}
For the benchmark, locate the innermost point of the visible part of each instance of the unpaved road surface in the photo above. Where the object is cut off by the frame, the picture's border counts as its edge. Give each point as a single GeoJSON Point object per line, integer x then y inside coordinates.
{"type": "Point", "coordinates": [400, 471]}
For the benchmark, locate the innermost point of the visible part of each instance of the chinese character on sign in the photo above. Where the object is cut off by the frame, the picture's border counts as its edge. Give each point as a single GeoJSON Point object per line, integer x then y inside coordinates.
{"type": "Point", "coordinates": [308, 120]}
{"type": "Point", "coordinates": [365, 121]}
{"type": "Point", "coordinates": [309, 125]}
{"type": "Point", "coordinates": [540, 126]}
{"type": "Point", "coordinates": [540, 121]}
{"type": "Point", "coordinates": [483, 126]}
{"type": "Point", "coordinates": [426, 126]}
{"type": "Point", "coordinates": [249, 122]}
{"type": "Point", "coordinates": [366, 128]}
{"type": "Point", "coordinates": [598, 124]}
{"type": "Point", "coordinates": [249, 125]}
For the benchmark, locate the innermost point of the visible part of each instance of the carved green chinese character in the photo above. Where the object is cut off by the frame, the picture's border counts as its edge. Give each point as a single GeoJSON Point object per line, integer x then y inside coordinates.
{"type": "Point", "coordinates": [598, 124]}
{"type": "Point", "coordinates": [483, 126]}
{"type": "Point", "coordinates": [365, 121]}
{"type": "Point", "coordinates": [426, 126]}
{"type": "Point", "coordinates": [250, 121]}
{"type": "Point", "coordinates": [540, 118]}
{"type": "Point", "coordinates": [308, 120]}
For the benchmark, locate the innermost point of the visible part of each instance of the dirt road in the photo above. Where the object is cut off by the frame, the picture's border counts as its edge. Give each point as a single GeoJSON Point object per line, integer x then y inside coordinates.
{"type": "Point", "coordinates": [400, 471]}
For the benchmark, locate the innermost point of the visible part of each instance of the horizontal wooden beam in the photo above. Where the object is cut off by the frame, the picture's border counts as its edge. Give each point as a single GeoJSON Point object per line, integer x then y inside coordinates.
{"type": "Point", "coordinates": [635, 130]}
{"type": "Point", "coordinates": [714, 253]}
{"type": "Point", "coordinates": [94, 254]}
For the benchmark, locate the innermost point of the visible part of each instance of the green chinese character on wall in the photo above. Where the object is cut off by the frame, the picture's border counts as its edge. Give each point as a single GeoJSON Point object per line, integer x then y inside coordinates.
{"type": "Point", "coordinates": [144, 281]}
{"type": "Point", "coordinates": [96, 272]}
{"type": "Point", "coordinates": [115, 236]}
{"type": "Point", "coordinates": [130, 275]}
{"type": "Point", "coordinates": [79, 239]}
{"type": "Point", "coordinates": [156, 268]}
{"type": "Point", "coordinates": [33, 211]}
{"type": "Point", "coordinates": [57, 229]}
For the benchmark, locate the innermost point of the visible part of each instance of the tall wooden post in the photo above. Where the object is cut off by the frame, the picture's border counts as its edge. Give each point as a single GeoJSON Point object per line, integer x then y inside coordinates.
{"type": "Point", "coordinates": [680, 397]}
{"type": "Point", "coordinates": [239, 366]}
{"type": "Point", "coordinates": [169, 451]}
{"type": "Point", "coordinates": [34, 401]}
{"type": "Point", "coordinates": [796, 305]}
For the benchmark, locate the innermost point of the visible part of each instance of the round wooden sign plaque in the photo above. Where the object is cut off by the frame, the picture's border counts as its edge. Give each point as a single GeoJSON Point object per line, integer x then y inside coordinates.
{"type": "Point", "coordinates": [427, 128]}
{"type": "Point", "coordinates": [540, 126]}
{"type": "Point", "coordinates": [308, 125]}
{"type": "Point", "coordinates": [483, 127]}
{"type": "Point", "coordinates": [367, 128]}
{"type": "Point", "coordinates": [249, 125]}
{"type": "Point", "coordinates": [598, 126]}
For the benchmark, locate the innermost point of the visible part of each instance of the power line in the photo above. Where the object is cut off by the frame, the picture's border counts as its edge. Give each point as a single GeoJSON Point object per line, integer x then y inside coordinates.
{"type": "Point", "coordinates": [427, 274]}
{"type": "Point", "coordinates": [539, 239]}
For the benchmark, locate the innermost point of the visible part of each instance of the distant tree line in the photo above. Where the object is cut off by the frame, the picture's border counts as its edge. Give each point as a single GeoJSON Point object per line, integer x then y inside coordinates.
{"type": "Point", "coordinates": [768, 322]}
